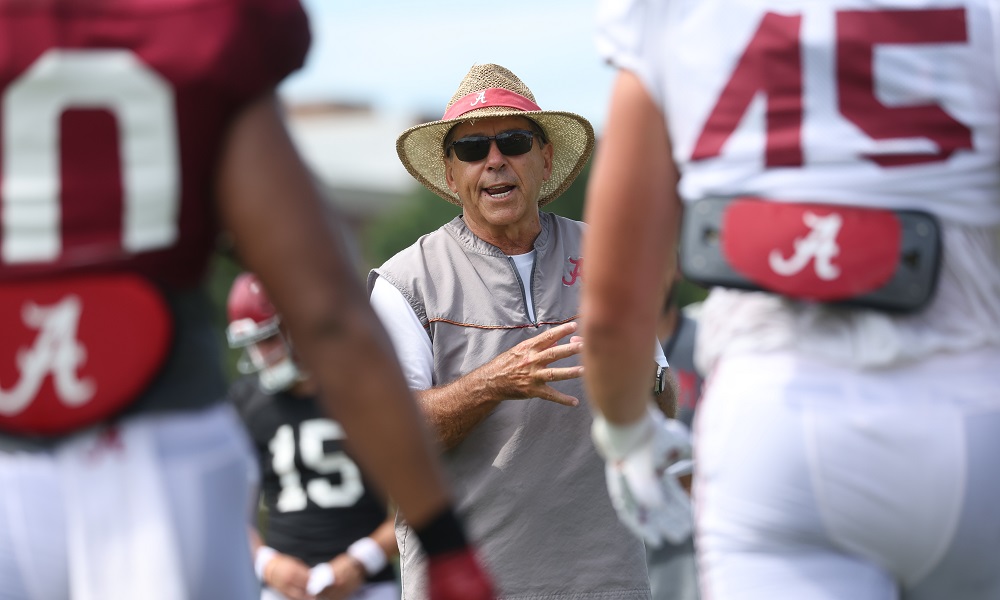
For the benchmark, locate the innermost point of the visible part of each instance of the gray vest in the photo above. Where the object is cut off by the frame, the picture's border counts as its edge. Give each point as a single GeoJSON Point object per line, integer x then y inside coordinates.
{"type": "Point", "coordinates": [528, 484]}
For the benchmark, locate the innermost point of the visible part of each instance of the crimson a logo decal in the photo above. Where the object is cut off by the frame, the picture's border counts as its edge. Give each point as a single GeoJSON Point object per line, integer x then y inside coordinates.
{"type": "Point", "coordinates": [572, 270]}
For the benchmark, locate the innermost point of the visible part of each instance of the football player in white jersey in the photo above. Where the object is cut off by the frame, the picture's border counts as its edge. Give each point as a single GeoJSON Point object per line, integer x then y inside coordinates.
{"type": "Point", "coordinates": [836, 165]}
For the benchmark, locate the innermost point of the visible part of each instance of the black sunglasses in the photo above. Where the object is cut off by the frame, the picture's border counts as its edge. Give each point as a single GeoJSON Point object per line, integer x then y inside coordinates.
{"type": "Point", "coordinates": [476, 147]}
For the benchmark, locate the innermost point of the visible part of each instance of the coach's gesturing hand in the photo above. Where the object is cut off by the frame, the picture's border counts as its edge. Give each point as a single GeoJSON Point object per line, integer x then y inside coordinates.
{"type": "Point", "coordinates": [525, 370]}
{"type": "Point", "coordinates": [522, 372]}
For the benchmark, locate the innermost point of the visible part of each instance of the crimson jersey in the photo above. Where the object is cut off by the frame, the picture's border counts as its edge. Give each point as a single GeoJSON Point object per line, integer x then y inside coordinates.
{"type": "Point", "coordinates": [317, 499]}
{"type": "Point", "coordinates": [114, 113]}
{"type": "Point", "coordinates": [113, 116]}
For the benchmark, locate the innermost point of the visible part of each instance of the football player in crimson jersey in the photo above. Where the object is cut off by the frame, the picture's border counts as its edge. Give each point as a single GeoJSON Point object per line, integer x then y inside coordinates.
{"type": "Point", "coordinates": [327, 532]}
{"type": "Point", "coordinates": [842, 450]}
{"type": "Point", "coordinates": [131, 131]}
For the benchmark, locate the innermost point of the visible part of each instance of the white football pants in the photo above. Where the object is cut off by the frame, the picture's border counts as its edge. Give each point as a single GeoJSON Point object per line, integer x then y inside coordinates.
{"type": "Point", "coordinates": [815, 482]}
{"type": "Point", "coordinates": [161, 506]}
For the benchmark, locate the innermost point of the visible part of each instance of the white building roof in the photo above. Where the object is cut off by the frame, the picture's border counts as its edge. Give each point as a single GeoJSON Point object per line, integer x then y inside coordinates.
{"type": "Point", "coordinates": [352, 150]}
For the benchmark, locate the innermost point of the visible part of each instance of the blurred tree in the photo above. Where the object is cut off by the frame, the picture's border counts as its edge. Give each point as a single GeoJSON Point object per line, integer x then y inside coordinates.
{"type": "Point", "coordinates": [222, 271]}
{"type": "Point", "coordinates": [393, 231]}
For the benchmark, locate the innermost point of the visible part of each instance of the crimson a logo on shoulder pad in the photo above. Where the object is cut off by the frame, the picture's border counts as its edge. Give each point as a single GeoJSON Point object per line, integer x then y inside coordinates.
{"type": "Point", "coordinates": [571, 271]}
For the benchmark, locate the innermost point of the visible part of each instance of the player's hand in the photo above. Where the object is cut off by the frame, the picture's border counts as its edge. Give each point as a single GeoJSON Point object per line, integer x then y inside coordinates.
{"type": "Point", "coordinates": [642, 463]}
{"type": "Point", "coordinates": [348, 576]}
{"type": "Point", "coordinates": [523, 371]}
{"type": "Point", "coordinates": [458, 576]}
{"type": "Point", "coordinates": [289, 576]}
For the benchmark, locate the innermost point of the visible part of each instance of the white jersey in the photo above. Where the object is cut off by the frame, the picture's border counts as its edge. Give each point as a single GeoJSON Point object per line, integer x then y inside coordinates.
{"type": "Point", "coordinates": [827, 101]}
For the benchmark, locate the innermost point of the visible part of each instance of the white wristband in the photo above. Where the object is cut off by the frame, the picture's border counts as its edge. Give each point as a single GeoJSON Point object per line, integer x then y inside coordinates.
{"type": "Point", "coordinates": [263, 556]}
{"type": "Point", "coordinates": [367, 552]}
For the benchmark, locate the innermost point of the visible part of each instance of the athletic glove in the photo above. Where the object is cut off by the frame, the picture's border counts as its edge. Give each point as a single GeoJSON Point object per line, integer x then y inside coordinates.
{"type": "Point", "coordinates": [642, 463]}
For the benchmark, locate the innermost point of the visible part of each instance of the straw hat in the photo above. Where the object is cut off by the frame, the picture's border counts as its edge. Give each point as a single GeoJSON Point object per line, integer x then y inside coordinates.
{"type": "Point", "coordinates": [493, 91]}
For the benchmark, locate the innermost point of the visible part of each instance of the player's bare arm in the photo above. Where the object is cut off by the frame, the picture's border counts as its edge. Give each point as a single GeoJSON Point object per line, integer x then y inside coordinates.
{"type": "Point", "coordinates": [272, 207]}
{"type": "Point", "coordinates": [631, 238]}
{"type": "Point", "coordinates": [630, 244]}
{"type": "Point", "coordinates": [520, 373]}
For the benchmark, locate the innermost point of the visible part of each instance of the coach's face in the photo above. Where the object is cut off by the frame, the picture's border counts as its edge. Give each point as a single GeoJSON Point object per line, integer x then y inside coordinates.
{"type": "Point", "coordinates": [499, 192]}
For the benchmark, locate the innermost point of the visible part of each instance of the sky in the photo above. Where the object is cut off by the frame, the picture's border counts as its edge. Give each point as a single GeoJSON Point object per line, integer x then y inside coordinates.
{"type": "Point", "coordinates": [410, 55]}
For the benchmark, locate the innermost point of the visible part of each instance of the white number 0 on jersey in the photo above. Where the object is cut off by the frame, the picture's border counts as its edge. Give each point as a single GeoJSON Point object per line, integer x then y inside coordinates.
{"type": "Point", "coordinates": [320, 490]}
{"type": "Point", "coordinates": [143, 105]}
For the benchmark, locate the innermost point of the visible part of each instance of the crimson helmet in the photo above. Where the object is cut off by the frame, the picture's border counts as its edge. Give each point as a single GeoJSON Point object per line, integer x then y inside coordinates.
{"type": "Point", "coordinates": [254, 326]}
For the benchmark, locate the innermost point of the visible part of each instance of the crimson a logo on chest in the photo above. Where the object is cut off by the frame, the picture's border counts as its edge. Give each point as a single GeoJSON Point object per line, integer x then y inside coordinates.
{"type": "Point", "coordinates": [572, 270]}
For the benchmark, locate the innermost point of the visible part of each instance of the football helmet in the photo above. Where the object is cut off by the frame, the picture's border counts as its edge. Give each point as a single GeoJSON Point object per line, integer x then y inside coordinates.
{"type": "Point", "coordinates": [255, 326]}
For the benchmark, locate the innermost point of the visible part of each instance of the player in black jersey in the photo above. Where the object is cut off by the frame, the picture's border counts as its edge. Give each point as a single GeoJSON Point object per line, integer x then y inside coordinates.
{"type": "Point", "coordinates": [327, 532]}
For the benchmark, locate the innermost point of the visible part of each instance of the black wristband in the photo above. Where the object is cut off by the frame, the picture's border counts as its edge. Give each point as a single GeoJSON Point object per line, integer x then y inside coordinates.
{"type": "Point", "coordinates": [442, 534]}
